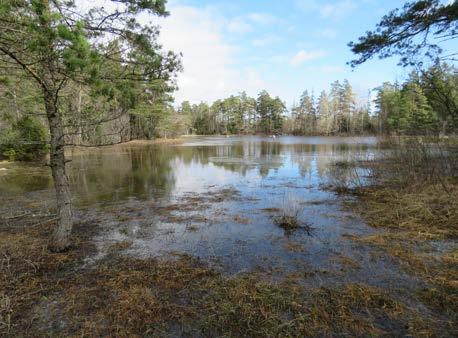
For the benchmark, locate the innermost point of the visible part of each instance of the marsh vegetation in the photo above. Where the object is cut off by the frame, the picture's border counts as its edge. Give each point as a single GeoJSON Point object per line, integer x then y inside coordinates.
{"type": "Point", "coordinates": [271, 250]}
{"type": "Point", "coordinates": [120, 221]}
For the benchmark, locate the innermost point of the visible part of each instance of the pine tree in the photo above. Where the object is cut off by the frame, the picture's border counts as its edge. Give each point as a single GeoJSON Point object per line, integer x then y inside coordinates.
{"type": "Point", "coordinates": [54, 44]}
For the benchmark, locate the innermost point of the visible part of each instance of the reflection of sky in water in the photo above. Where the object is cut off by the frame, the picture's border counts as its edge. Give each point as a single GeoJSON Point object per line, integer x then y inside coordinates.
{"type": "Point", "coordinates": [148, 172]}
{"type": "Point", "coordinates": [130, 183]}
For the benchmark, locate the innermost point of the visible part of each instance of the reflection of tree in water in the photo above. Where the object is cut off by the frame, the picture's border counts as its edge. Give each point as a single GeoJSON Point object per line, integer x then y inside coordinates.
{"type": "Point", "coordinates": [143, 172]}
{"type": "Point", "coordinates": [319, 157]}
{"type": "Point", "coordinates": [148, 172]}
{"type": "Point", "coordinates": [24, 177]}
{"type": "Point", "coordinates": [341, 155]}
{"type": "Point", "coordinates": [241, 157]}
{"type": "Point", "coordinates": [152, 173]}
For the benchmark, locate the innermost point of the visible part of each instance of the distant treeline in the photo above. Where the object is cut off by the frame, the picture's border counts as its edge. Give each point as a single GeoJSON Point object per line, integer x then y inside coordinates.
{"type": "Point", "coordinates": [426, 103]}
{"type": "Point", "coordinates": [333, 113]}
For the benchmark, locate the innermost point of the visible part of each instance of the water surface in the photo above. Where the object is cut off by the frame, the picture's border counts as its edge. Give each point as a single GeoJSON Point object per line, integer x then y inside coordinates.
{"type": "Point", "coordinates": [216, 198]}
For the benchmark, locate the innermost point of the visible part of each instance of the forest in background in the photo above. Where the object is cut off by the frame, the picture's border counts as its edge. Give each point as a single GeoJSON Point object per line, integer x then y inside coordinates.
{"type": "Point", "coordinates": [96, 76]}
{"type": "Point", "coordinates": [425, 104]}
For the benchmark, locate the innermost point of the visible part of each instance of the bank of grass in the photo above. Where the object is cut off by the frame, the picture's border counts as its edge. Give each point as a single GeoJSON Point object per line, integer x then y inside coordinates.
{"type": "Point", "coordinates": [45, 294]}
{"type": "Point", "coordinates": [413, 197]}
{"type": "Point", "coordinates": [288, 216]}
{"type": "Point", "coordinates": [176, 140]}
{"type": "Point", "coordinates": [75, 150]}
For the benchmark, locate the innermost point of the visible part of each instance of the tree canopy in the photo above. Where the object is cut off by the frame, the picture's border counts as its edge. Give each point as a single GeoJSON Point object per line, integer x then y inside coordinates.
{"type": "Point", "coordinates": [418, 29]}
{"type": "Point", "coordinates": [61, 48]}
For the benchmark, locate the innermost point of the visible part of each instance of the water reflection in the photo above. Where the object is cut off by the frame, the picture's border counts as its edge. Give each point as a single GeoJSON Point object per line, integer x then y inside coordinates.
{"type": "Point", "coordinates": [154, 172]}
{"type": "Point", "coordinates": [215, 198]}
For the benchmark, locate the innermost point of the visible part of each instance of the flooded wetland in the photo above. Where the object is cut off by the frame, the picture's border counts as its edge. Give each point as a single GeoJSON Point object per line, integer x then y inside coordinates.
{"type": "Point", "coordinates": [240, 206]}
{"type": "Point", "coordinates": [216, 199]}
{"type": "Point", "coordinates": [223, 169]}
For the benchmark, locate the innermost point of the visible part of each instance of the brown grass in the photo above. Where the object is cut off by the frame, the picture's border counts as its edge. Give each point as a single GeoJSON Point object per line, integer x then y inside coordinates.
{"type": "Point", "coordinates": [271, 210]}
{"type": "Point", "coordinates": [415, 202]}
{"type": "Point", "coordinates": [52, 294]}
{"type": "Point", "coordinates": [426, 212]}
{"type": "Point", "coordinates": [241, 220]}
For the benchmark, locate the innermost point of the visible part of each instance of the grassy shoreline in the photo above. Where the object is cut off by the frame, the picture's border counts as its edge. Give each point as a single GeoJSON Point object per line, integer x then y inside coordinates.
{"type": "Point", "coordinates": [71, 294]}
{"type": "Point", "coordinates": [413, 198]}
{"type": "Point", "coordinates": [60, 295]}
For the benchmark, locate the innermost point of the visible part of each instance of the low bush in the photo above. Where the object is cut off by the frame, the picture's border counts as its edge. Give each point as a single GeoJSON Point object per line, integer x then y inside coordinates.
{"type": "Point", "coordinates": [26, 140]}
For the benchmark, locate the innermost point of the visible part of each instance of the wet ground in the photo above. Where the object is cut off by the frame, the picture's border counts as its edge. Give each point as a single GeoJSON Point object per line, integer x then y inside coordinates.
{"type": "Point", "coordinates": [216, 198]}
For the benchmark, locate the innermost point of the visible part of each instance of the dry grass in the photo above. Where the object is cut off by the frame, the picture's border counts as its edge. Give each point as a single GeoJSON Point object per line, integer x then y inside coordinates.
{"type": "Point", "coordinates": [241, 220]}
{"type": "Point", "coordinates": [288, 217]}
{"type": "Point", "coordinates": [271, 210]}
{"type": "Point", "coordinates": [426, 212]}
{"type": "Point", "coordinates": [191, 227]}
{"type": "Point", "coordinates": [47, 294]}
{"type": "Point", "coordinates": [346, 261]}
{"type": "Point", "coordinates": [287, 222]}
{"type": "Point", "coordinates": [293, 246]}
{"type": "Point", "coordinates": [414, 198]}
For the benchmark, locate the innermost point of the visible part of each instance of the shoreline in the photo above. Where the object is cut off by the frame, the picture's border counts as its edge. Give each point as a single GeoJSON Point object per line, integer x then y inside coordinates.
{"type": "Point", "coordinates": [418, 222]}
{"type": "Point", "coordinates": [119, 294]}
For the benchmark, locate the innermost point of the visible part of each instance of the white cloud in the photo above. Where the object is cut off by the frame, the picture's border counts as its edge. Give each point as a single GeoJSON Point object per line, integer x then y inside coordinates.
{"type": "Point", "coordinates": [239, 25]}
{"type": "Point", "coordinates": [328, 9]}
{"type": "Point", "coordinates": [327, 33]}
{"type": "Point", "coordinates": [265, 41]}
{"type": "Point", "coordinates": [338, 9]}
{"type": "Point", "coordinates": [332, 69]}
{"type": "Point", "coordinates": [278, 59]}
{"type": "Point", "coordinates": [262, 18]}
{"type": "Point", "coordinates": [247, 23]}
{"type": "Point", "coordinates": [209, 60]}
{"type": "Point", "coordinates": [304, 56]}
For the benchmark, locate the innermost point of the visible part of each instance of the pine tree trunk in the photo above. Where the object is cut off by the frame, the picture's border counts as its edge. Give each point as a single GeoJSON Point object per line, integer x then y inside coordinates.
{"type": "Point", "coordinates": [60, 240]}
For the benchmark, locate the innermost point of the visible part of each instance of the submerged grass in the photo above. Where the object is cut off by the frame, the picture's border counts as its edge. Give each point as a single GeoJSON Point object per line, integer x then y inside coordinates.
{"type": "Point", "coordinates": [57, 295]}
{"type": "Point", "coordinates": [413, 197]}
{"type": "Point", "coordinates": [44, 294]}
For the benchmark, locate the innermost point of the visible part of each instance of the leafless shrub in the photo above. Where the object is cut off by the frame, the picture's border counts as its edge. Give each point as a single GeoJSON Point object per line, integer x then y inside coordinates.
{"type": "Point", "coordinates": [289, 216]}
{"type": "Point", "coordinates": [347, 175]}
{"type": "Point", "coordinates": [416, 160]}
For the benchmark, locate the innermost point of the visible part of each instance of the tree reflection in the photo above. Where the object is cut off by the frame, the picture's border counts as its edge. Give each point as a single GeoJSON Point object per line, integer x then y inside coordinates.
{"type": "Point", "coordinates": [149, 172]}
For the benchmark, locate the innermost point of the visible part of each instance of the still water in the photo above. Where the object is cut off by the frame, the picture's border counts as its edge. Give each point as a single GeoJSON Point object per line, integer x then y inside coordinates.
{"type": "Point", "coordinates": [216, 198]}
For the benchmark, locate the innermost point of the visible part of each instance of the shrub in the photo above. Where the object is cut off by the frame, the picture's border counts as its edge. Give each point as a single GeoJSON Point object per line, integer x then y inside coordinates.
{"type": "Point", "coordinates": [289, 215]}
{"type": "Point", "coordinates": [26, 140]}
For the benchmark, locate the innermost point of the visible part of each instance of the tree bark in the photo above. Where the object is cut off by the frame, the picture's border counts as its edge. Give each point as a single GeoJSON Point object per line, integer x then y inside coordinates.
{"type": "Point", "coordinates": [443, 131]}
{"type": "Point", "coordinates": [60, 240]}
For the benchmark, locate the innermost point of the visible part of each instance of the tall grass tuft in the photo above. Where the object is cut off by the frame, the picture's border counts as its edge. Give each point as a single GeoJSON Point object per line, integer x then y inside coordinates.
{"type": "Point", "coordinates": [289, 216]}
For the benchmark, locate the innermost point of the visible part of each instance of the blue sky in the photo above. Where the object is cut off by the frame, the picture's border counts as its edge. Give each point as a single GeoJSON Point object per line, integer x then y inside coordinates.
{"type": "Point", "coordinates": [283, 46]}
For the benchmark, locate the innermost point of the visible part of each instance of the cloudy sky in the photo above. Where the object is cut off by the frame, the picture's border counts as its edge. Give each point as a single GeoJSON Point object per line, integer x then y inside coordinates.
{"type": "Point", "coordinates": [283, 46]}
